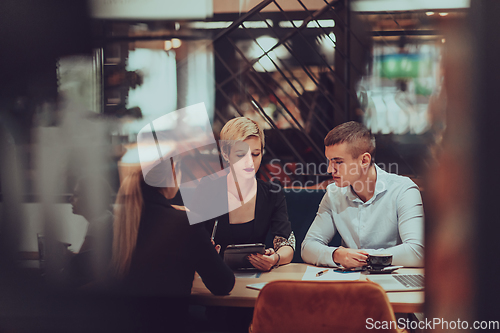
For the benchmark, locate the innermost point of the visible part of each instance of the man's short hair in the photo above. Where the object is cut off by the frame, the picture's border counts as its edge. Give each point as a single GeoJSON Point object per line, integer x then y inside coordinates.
{"type": "Point", "coordinates": [359, 138]}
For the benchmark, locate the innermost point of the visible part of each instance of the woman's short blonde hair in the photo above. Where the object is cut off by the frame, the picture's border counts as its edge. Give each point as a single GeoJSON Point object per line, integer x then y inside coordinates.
{"type": "Point", "coordinates": [239, 129]}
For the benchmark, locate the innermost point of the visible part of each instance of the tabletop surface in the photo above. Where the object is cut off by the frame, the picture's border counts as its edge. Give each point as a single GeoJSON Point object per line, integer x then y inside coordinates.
{"type": "Point", "coordinates": [241, 296]}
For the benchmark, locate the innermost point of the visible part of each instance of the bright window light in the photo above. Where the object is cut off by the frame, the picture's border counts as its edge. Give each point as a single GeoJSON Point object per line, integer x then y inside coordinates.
{"type": "Point", "coordinates": [399, 5]}
{"type": "Point", "coordinates": [256, 24]}
{"type": "Point", "coordinates": [209, 25]}
{"type": "Point", "coordinates": [264, 44]}
{"type": "Point", "coordinates": [158, 94]}
{"type": "Point", "coordinates": [321, 23]}
{"type": "Point", "coordinates": [310, 24]}
{"type": "Point", "coordinates": [290, 24]}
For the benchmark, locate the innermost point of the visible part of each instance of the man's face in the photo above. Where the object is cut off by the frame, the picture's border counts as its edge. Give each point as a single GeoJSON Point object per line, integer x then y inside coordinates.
{"type": "Point", "coordinates": [344, 168]}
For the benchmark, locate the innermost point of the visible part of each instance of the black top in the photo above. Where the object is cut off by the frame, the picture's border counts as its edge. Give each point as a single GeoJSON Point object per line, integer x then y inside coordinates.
{"type": "Point", "coordinates": [270, 214]}
{"type": "Point", "coordinates": [169, 250]}
{"type": "Point", "coordinates": [241, 233]}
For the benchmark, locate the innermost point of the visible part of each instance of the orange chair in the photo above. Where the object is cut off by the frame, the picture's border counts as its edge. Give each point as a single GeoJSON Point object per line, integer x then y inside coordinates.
{"type": "Point", "coordinates": [303, 306]}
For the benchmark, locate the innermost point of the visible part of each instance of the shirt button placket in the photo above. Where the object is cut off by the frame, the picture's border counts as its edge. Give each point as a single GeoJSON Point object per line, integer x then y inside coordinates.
{"type": "Point", "coordinates": [361, 225]}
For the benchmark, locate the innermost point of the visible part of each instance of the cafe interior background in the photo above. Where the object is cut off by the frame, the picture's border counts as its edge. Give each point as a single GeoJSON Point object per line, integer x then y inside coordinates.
{"type": "Point", "coordinates": [78, 85]}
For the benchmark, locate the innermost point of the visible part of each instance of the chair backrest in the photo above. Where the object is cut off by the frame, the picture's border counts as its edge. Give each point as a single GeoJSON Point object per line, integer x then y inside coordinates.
{"type": "Point", "coordinates": [302, 206]}
{"type": "Point", "coordinates": [304, 306]}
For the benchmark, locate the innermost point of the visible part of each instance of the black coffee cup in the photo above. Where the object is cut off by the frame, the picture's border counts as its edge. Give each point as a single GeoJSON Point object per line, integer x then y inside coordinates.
{"type": "Point", "coordinates": [379, 261]}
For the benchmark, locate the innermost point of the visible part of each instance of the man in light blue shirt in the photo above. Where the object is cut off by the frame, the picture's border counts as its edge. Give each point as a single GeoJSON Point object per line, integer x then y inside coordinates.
{"type": "Point", "coordinates": [372, 210]}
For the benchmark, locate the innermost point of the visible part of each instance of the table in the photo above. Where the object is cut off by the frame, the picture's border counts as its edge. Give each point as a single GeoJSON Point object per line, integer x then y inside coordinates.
{"type": "Point", "coordinates": [241, 296]}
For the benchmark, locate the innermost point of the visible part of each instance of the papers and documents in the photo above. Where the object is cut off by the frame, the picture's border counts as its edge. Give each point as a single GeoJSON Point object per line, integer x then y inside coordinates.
{"type": "Point", "coordinates": [315, 274]}
{"type": "Point", "coordinates": [256, 286]}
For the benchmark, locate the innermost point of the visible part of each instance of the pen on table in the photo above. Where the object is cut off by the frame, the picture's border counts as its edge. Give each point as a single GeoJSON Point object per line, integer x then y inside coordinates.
{"type": "Point", "coordinates": [321, 272]}
{"type": "Point", "coordinates": [215, 229]}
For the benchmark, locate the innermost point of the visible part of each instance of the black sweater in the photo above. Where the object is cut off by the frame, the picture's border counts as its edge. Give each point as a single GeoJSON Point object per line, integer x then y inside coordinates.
{"type": "Point", "coordinates": [169, 250]}
{"type": "Point", "coordinates": [271, 217]}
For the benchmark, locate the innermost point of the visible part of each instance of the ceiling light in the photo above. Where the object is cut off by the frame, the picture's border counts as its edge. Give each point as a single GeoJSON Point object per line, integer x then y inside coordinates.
{"type": "Point", "coordinates": [429, 13]}
{"type": "Point", "coordinates": [443, 14]}
{"type": "Point", "coordinates": [176, 43]}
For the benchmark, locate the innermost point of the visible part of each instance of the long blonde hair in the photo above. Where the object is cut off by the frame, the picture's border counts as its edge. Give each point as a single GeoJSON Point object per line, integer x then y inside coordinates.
{"type": "Point", "coordinates": [128, 210]}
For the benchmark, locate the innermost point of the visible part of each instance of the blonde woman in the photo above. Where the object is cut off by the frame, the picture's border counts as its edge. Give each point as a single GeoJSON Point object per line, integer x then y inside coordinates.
{"type": "Point", "coordinates": [256, 208]}
{"type": "Point", "coordinates": [156, 251]}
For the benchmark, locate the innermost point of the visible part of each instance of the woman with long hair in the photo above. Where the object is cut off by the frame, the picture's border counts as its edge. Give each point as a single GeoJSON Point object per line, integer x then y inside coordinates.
{"type": "Point", "coordinates": [256, 209]}
{"type": "Point", "coordinates": [156, 251]}
{"type": "Point", "coordinates": [129, 204]}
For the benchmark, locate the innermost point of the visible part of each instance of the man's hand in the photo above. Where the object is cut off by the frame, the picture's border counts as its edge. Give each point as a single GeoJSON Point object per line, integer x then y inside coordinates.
{"type": "Point", "coordinates": [264, 262]}
{"type": "Point", "coordinates": [350, 258]}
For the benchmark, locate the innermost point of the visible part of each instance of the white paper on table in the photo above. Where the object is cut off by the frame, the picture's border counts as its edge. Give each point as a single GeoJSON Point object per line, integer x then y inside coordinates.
{"type": "Point", "coordinates": [257, 286]}
{"type": "Point", "coordinates": [331, 275]}
{"type": "Point", "coordinates": [246, 275]}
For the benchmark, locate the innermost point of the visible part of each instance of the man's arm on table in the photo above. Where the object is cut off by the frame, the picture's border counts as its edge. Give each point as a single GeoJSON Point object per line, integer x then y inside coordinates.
{"type": "Point", "coordinates": [411, 230]}
{"type": "Point", "coordinates": [315, 249]}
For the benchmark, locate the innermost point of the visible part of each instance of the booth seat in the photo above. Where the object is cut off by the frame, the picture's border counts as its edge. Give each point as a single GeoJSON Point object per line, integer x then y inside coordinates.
{"type": "Point", "coordinates": [302, 205]}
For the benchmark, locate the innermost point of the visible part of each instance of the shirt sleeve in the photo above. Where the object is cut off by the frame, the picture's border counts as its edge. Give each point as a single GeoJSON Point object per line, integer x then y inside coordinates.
{"type": "Point", "coordinates": [315, 249]}
{"type": "Point", "coordinates": [410, 252]}
{"type": "Point", "coordinates": [216, 275]}
{"type": "Point", "coordinates": [281, 228]}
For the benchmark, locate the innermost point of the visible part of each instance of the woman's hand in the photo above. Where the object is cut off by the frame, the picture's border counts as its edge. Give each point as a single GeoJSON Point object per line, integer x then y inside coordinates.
{"type": "Point", "coordinates": [217, 247]}
{"type": "Point", "coordinates": [264, 262]}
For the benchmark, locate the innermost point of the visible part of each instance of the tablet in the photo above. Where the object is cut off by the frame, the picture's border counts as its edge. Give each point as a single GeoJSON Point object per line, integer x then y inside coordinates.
{"type": "Point", "coordinates": [235, 256]}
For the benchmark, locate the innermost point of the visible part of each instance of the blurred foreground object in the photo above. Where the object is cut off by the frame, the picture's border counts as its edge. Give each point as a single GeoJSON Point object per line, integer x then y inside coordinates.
{"type": "Point", "coordinates": [462, 215]}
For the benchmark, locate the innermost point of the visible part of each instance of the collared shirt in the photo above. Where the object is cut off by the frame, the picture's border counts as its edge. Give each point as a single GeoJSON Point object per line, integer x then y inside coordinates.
{"type": "Point", "coordinates": [391, 221]}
